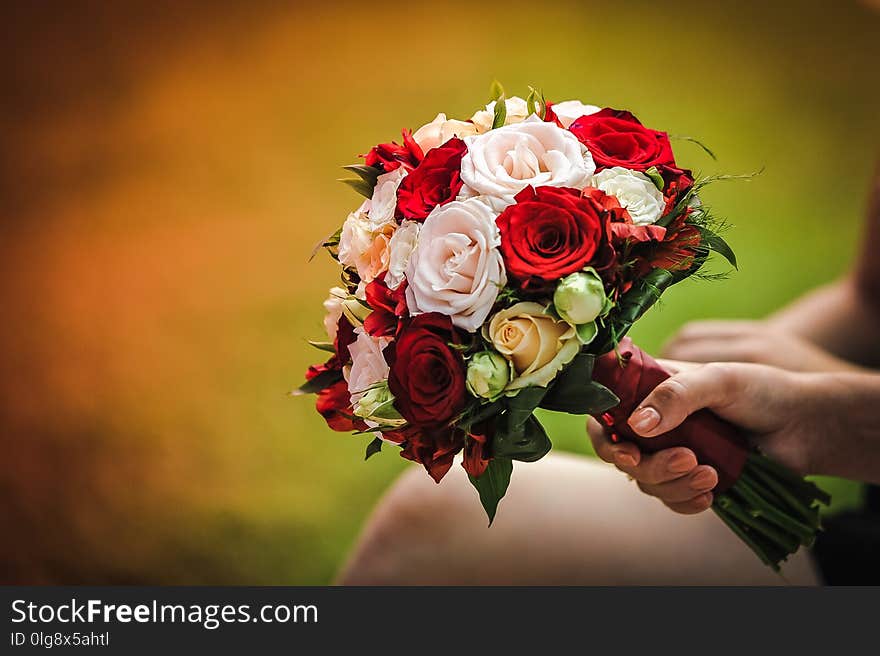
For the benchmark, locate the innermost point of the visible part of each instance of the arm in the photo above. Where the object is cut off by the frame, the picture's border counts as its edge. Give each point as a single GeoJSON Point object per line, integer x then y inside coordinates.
{"type": "Point", "coordinates": [844, 318]}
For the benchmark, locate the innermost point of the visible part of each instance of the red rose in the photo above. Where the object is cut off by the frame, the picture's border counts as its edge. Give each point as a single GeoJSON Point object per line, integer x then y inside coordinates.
{"type": "Point", "coordinates": [427, 375]}
{"type": "Point", "coordinates": [334, 404]}
{"type": "Point", "coordinates": [551, 232]}
{"type": "Point", "coordinates": [389, 306]}
{"type": "Point", "coordinates": [389, 156]}
{"type": "Point", "coordinates": [617, 138]}
{"type": "Point", "coordinates": [435, 181]}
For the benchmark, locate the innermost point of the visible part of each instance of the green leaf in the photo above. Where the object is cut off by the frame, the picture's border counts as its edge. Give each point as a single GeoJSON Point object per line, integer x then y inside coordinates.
{"type": "Point", "coordinates": [481, 413]}
{"type": "Point", "coordinates": [323, 346]}
{"type": "Point", "coordinates": [373, 448]}
{"type": "Point", "coordinates": [656, 178]}
{"type": "Point", "coordinates": [500, 112]}
{"type": "Point", "coordinates": [717, 244]}
{"type": "Point", "coordinates": [589, 398]}
{"type": "Point", "coordinates": [368, 174]}
{"type": "Point", "coordinates": [496, 91]}
{"type": "Point", "coordinates": [320, 382]}
{"type": "Point", "coordinates": [330, 241]}
{"type": "Point", "coordinates": [492, 484]}
{"type": "Point", "coordinates": [527, 442]}
{"type": "Point", "coordinates": [535, 102]}
{"type": "Point", "coordinates": [694, 141]}
{"type": "Point", "coordinates": [360, 186]}
{"type": "Point", "coordinates": [631, 306]}
{"type": "Point", "coordinates": [587, 332]}
{"type": "Point", "coordinates": [574, 391]}
{"type": "Point", "coordinates": [521, 406]}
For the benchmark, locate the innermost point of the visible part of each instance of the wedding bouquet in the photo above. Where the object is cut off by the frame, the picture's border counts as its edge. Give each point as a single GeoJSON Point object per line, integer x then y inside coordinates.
{"type": "Point", "coordinates": [495, 268]}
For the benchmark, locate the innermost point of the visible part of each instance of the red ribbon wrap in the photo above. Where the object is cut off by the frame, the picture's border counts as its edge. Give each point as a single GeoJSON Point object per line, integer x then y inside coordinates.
{"type": "Point", "coordinates": [632, 377]}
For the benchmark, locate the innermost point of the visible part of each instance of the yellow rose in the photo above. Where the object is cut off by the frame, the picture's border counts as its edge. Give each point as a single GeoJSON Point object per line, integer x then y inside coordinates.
{"type": "Point", "coordinates": [537, 344]}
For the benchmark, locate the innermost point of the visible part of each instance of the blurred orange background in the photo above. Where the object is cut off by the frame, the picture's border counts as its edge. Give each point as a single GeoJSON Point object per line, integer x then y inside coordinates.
{"type": "Point", "coordinates": [166, 168]}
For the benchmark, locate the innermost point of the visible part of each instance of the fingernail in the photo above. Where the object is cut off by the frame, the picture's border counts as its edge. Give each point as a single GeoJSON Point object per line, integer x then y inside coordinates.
{"type": "Point", "coordinates": [680, 463]}
{"type": "Point", "coordinates": [705, 480]}
{"type": "Point", "coordinates": [644, 419]}
{"type": "Point", "coordinates": [624, 459]}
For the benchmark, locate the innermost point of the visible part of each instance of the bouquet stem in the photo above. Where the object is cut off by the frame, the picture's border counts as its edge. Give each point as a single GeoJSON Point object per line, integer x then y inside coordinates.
{"type": "Point", "coordinates": [771, 509]}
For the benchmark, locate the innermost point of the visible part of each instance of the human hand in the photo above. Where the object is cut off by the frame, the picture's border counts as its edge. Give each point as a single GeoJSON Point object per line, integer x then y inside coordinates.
{"type": "Point", "coordinates": [775, 408]}
{"type": "Point", "coordinates": [758, 342]}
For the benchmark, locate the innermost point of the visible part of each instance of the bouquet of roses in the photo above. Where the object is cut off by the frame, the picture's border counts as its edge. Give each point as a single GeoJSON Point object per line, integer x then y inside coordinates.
{"type": "Point", "coordinates": [494, 268]}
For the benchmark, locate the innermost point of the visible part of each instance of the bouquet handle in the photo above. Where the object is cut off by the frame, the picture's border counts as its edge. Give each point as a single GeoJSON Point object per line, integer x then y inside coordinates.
{"type": "Point", "coordinates": [769, 507]}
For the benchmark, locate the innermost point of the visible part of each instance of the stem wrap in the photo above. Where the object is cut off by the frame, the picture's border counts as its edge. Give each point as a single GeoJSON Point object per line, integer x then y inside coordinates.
{"type": "Point", "coordinates": [631, 374]}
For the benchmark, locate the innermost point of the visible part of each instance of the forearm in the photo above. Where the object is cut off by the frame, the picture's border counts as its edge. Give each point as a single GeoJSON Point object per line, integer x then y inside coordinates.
{"type": "Point", "coordinates": [846, 425]}
{"type": "Point", "coordinates": [842, 318]}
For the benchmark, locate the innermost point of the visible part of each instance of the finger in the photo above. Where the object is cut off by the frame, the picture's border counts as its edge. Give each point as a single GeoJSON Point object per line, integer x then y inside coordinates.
{"type": "Point", "coordinates": [720, 350]}
{"type": "Point", "coordinates": [616, 453]}
{"type": "Point", "coordinates": [719, 328]}
{"type": "Point", "coordinates": [694, 506]}
{"type": "Point", "coordinates": [668, 404]}
{"type": "Point", "coordinates": [674, 366]}
{"type": "Point", "coordinates": [700, 480]}
{"type": "Point", "coordinates": [661, 467]}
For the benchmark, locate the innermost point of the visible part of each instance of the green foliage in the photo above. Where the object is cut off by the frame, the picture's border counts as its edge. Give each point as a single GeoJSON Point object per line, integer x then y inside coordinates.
{"type": "Point", "coordinates": [500, 112]}
{"type": "Point", "coordinates": [320, 382]}
{"type": "Point", "coordinates": [496, 91]}
{"type": "Point", "coordinates": [374, 447]}
{"type": "Point", "coordinates": [574, 391]}
{"type": "Point", "coordinates": [492, 484]}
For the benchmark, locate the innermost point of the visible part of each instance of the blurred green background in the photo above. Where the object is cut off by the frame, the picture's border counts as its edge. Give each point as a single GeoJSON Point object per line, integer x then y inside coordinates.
{"type": "Point", "coordinates": [166, 168]}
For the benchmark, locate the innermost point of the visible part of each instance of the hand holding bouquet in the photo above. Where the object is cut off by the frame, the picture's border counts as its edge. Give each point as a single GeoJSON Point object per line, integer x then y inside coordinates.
{"type": "Point", "coordinates": [494, 268]}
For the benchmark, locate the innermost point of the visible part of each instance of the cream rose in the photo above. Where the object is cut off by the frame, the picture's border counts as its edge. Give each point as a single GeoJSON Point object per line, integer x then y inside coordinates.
{"type": "Point", "coordinates": [503, 162]}
{"type": "Point", "coordinates": [440, 130]}
{"type": "Point", "coordinates": [400, 247]}
{"type": "Point", "coordinates": [517, 112]}
{"type": "Point", "coordinates": [362, 247]}
{"type": "Point", "coordinates": [635, 191]}
{"type": "Point", "coordinates": [368, 366]}
{"type": "Point", "coordinates": [383, 204]}
{"type": "Point", "coordinates": [457, 269]}
{"type": "Point", "coordinates": [537, 344]}
{"type": "Point", "coordinates": [568, 111]}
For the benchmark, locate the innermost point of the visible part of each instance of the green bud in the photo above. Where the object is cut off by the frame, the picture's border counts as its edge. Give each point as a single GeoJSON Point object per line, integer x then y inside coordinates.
{"type": "Point", "coordinates": [580, 298]}
{"type": "Point", "coordinates": [377, 404]}
{"type": "Point", "coordinates": [488, 374]}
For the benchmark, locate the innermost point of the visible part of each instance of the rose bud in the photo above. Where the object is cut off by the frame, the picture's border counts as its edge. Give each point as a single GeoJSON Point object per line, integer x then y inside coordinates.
{"type": "Point", "coordinates": [487, 375]}
{"type": "Point", "coordinates": [580, 298]}
{"type": "Point", "coordinates": [377, 404]}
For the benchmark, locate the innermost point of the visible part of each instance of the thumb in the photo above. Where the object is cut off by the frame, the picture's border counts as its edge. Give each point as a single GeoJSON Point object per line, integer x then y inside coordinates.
{"type": "Point", "coordinates": [711, 386]}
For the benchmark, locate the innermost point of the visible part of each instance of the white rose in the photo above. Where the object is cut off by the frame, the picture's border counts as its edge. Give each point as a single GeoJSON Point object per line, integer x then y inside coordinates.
{"type": "Point", "coordinates": [384, 201]}
{"type": "Point", "coordinates": [334, 306]}
{"type": "Point", "coordinates": [403, 243]}
{"type": "Point", "coordinates": [457, 269]}
{"type": "Point", "coordinates": [568, 111]}
{"type": "Point", "coordinates": [635, 191]}
{"type": "Point", "coordinates": [517, 112]}
{"type": "Point", "coordinates": [362, 247]}
{"type": "Point", "coordinates": [368, 366]}
{"type": "Point", "coordinates": [440, 130]}
{"type": "Point", "coordinates": [503, 162]}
